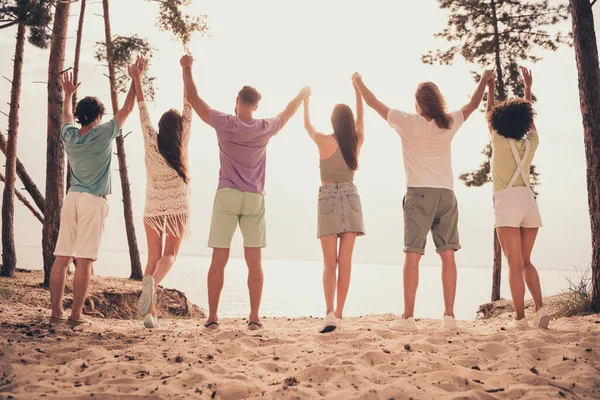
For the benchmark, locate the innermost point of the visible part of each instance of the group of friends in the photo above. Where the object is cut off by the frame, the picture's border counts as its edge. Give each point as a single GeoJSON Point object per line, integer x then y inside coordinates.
{"type": "Point", "coordinates": [429, 205]}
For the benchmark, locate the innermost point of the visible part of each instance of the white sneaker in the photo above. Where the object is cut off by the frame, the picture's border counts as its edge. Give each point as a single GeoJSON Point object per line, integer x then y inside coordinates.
{"type": "Point", "coordinates": [147, 297]}
{"type": "Point", "coordinates": [330, 323]}
{"type": "Point", "coordinates": [449, 323]}
{"type": "Point", "coordinates": [520, 324]}
{"type": "Point", "coordinates": [338, 321]}
{"type": "Point", "coordinates": [541, 319]}
{"type": "Point", "coordinates": [150, 321]}
{"type": "Point", "coordinates": [405, 325]}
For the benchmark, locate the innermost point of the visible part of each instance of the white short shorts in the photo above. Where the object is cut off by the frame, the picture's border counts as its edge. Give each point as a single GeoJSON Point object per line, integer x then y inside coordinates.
{"type": "Point", "coordinates": [81, 225]}
{"type": "Point", "coordinates": [516, 207]}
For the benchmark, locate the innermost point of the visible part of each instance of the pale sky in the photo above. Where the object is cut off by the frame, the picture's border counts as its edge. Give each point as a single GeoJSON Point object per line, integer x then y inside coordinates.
{"type": "Point", "coordinates": [278, 47]}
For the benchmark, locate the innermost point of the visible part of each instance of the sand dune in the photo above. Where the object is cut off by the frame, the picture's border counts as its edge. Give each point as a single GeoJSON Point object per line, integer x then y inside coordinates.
{"type": "Point", "coordinates": [116, 359]}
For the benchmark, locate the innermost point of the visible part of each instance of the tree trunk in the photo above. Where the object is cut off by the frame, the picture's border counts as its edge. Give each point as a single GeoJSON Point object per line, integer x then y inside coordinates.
{"type": "Point", "coordinates": [501, 89]}
{"type": "Point", "coordinates": [9, 255]}
{"type": "Point", "coordinates": [76, 74]}
{"type": "Point", "coordinates": [497, 272]}
{"type": "Point", "coordinates": [26, 203]}
{"type": "Point", "coordinates": [30, 186]}
{"type": "Point", "coordinates": [588, 67]}
{"type": "Point", "coordinates": [134, 255]}
{"type": "Point", "coordinates": [55, 157]}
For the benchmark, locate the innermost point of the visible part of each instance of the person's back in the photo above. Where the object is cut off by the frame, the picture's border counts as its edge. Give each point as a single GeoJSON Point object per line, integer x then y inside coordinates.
{"type": "Point", "coordinates": [90, 157]}
{"type": "Point", "coordinates": [426, 148]}
{"type": "Point", "coordinates": [243, 150]}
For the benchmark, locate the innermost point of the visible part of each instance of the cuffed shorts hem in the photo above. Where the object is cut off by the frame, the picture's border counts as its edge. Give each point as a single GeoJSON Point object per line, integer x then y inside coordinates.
{"type": "Point", "coordinates": [340, 234]}
{"type": "Point", "coordinates": [415, 250]}
{"type": "Point", "coordinates": [447, 247]}
{"type": "Point", "coordinates": [76, 256]}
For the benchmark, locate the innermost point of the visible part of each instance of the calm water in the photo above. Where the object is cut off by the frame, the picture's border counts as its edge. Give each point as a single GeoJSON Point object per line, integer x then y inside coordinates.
{"type": "Point", "coordinates": [293, 288]}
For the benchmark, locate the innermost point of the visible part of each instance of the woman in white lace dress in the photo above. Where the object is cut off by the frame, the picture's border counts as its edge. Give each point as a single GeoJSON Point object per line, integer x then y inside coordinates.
{"type": "Point", "coordinates": [166, 211]}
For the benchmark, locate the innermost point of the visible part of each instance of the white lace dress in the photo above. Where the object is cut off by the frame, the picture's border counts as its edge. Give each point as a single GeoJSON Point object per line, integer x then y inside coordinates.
{"type": "Point", "coordinates": [167, 206]}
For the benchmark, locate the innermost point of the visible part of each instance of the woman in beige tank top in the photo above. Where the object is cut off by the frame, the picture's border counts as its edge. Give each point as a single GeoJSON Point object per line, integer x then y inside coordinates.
{"type": "Point", "coordinates": [339, 207]}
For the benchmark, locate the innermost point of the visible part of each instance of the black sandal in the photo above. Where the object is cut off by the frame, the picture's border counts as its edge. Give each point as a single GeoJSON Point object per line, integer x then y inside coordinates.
{"type": "Point", "coordinates": [254, 326]}
{"type": "Point", "coordinates": [211, 325]}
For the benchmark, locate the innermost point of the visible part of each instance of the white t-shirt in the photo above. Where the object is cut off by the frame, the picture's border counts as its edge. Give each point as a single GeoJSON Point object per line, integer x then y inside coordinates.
{"type": "Point", "coordinates": [426, 148]}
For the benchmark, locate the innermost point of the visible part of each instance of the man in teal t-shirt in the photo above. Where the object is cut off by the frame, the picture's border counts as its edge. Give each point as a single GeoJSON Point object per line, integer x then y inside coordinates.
{"type": "Point", "coordinates": [89, 150]}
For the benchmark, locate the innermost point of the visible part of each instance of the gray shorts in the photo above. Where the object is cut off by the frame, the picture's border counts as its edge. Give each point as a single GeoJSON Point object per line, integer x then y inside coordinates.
{"type": "Point", "coordinates": [340, 210]}
{"type": "Point", "coordinates": [430, 209]}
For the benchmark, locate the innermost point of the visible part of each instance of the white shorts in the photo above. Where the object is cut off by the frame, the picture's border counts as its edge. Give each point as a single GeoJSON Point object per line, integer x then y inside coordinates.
{"type": "Point", "coordinates": [81, 225]}
{"type": "Point", "coordinates": [516, 208]}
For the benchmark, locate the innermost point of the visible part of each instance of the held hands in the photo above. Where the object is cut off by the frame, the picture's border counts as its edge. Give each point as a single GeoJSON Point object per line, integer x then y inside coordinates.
{"type": "Point", "coordinates": [305, 92]}
{"type": "Point", "coordinates": [67, 83]}
{"type": "Point", "coordinates": [137, 69]}
{"type": "Point", "coordinates": [487, 75]}
{"type": "Point", "coordinates": [527, 78]}
{"type": "Point", "coordinates": [186, 61]}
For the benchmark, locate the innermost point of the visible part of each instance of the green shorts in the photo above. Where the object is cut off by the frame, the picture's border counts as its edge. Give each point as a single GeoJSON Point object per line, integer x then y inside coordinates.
{"type": "Point", "coordinates": [233, 207]}
{"type": "Point", "coordinates": [430, 209]}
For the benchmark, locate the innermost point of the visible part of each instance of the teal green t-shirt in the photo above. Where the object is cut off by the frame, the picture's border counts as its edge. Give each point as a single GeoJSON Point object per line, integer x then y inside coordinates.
{"type": "Point", "coordinates": [90, 156]}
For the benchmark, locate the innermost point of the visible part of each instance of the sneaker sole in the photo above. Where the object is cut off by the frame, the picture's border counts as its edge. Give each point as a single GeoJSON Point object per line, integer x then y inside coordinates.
{"type": "Point", "coordinates": [147, 296]}
{"type": "Point", "coordinates": [328, 328]}
{"type": "Point", "coordinates": [544, 322]}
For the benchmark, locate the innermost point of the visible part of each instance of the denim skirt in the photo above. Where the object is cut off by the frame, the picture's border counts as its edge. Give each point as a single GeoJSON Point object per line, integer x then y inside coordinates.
{"type": "Point", "coordinates": [339, 210]}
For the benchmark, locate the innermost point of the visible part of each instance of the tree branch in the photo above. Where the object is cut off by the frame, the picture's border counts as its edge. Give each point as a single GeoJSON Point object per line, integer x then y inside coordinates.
{"type": "Point", "coordinates": [25, 202]}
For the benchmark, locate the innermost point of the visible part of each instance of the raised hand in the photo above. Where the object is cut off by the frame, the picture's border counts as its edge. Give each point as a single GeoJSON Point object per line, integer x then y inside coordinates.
{"type": "Point", "coordinates": [134, 71]}
{"type": "Point", "coordinates": [67, 83]}
{"type": "Point", "coordinates": [487, 75]}
{"type": "Point", "coordinates": [186, 61]}
{"type": "Point", "coordinates": [356, 76]}
{"type": "Point", "coordinates": [141, 64]}
{"type": "Point", "coordinates": [527, 78]}
{"type": "Point", "coordinates": [306, 91]}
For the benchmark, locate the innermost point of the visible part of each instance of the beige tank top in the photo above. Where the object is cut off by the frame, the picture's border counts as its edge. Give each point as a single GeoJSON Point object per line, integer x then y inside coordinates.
{"type": "Point", "coordinates": [334, 169]}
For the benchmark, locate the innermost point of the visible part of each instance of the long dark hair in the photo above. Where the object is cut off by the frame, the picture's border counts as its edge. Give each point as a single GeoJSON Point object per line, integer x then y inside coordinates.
{"type": "Point", "coordinates": [344, 129]}
{"type": "Point", "coordinates": [432, 103]}
{"type": "Point", "coordinates": [170, 142]}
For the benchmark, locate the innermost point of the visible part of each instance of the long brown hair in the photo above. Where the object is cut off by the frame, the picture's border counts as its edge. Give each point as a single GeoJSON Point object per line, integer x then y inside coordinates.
{"type": "Point", "coordinates": [170, 142]}
{"type": "Point", "coordinates": [432, 103]}
{"type": "Point", "coordinates": [344, 129]}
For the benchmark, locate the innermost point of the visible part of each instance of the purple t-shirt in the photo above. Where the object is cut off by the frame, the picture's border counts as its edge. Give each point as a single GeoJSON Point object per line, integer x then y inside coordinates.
{"type": "Point", "coordinates": [243, 150]}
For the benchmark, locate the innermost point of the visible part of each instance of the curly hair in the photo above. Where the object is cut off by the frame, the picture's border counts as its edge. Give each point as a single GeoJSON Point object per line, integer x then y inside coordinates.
{"type": "Point", "coordinates": [88, 110]}
{"type": "Point", "coordinates": [512, 118]}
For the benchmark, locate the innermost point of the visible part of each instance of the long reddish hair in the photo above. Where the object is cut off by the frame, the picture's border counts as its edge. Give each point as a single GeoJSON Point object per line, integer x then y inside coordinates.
{"type": "Point", "coordinates": [170, 143]}
{"type": "Point", "coordinates": [432, 104]}
{"type": "Point", "coordinates": [344, 129]}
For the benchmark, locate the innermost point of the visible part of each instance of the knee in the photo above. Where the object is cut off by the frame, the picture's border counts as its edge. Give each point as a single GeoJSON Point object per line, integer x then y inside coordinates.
{"type": "Point", "coordinates": [516, 264]}
{"type": "Point", "coordinates": [61, 262]}
{"type": "Point", "coordinates": [83, 264]}
{"type": "Point", "coordinates": [527, 264]}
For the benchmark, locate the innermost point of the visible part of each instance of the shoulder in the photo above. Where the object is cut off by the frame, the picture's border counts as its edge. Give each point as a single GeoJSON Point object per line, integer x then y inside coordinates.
{"type": "Point", "coordinates": [533, 136]}
{"type": "Point", "coordinates": [458, 116]}
{"type": "Point", "coordinates": [67, 130]}
{"type": "Point", "coordinates": [218, 118]}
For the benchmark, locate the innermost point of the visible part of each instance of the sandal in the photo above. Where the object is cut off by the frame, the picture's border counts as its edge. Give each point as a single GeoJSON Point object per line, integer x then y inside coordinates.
{"type": "Point", "coordinates": [57, 320]}
{"type": "Point", "coordinates": [211, 325]}
{"type": "Point", "coordinates": [75, 322]}
{"type": "Point", "coordinates": [254, 326]}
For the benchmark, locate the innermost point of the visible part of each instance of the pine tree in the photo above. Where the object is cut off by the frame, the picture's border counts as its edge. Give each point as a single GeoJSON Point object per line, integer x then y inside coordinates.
{"type": "Point", "coordinates": [502, 33]}
{"type": "Point", "coordinates": [588, 67]}
{"type": "Point", "coordinates": [24, 14]}
{"type": "Point", "coordinates": [55, 155]}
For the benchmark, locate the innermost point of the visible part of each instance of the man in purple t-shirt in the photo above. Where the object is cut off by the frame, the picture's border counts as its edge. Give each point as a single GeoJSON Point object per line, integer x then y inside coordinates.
{"type": "Point", "coordinates": [240, 197]}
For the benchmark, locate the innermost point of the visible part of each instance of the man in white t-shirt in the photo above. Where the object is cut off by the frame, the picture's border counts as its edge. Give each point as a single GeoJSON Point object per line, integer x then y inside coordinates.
{"type": "Point", "coordinates": [429, 204]}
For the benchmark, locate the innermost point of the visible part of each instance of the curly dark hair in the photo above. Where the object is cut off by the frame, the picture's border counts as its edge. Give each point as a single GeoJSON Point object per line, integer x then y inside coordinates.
{"type": "Point", "coordinates": [512, 118]}
{"type": "Point", "coordinates": [88, 110]}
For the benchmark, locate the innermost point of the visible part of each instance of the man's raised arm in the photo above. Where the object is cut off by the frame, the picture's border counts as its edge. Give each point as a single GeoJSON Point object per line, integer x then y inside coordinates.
{"type": "Point", "coordinates": [293, 107]}
{"type": "Point", "coordinates": [69, 88]}
{"type": "Point", "coordinates": [370, 98]}
{"type": "Point", "coordinates": [191, 92]}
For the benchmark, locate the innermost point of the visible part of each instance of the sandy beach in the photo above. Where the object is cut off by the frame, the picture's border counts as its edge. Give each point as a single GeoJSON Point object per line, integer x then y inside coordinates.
{"type": "Point", "coordinates": [118, 359]}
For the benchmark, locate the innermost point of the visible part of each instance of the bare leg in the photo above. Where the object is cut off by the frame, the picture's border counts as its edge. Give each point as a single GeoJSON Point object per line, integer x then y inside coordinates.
{"type": "Point", "coordinates": [215, 279]}
{"type": "Point", "coordinates": [345, 270]}
{"type": "Point", "coordinates": [449, 281]}
{"type": "Point", "coordinates": [510, 240]}
{"type": "Point", "coordinates": [154, 241]}
{"type": "Point", "coordinates": [411, 282]}
{"type": "Point", "coordinates": [81, 284]}
{"type": "Point", "coordinates": [532, 279]}
{"type": "Point", "coordinates": [253, 257]}
{"type": "Point", "coordinates": [58, 277]}
{"type": "Point", "coordinates": [329, 247]}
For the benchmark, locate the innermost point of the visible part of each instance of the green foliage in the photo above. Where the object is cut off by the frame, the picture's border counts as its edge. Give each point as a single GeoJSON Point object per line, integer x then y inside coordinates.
{"type": "Point", "coordinates": [181, 25]}
{"type": "Point", "coordinates": [35, 14]}
{"type": "Point", "coordinates": [121, 54]}
{"type": "Point", "coordinates": [478, 29]}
